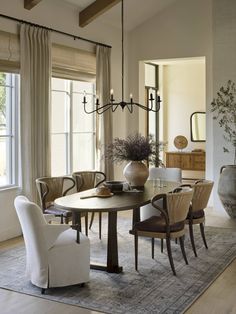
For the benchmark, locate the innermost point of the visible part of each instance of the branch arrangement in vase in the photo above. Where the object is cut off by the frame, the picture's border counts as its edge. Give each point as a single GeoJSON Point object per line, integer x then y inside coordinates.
{"type": "Point", "coordinates": [135, 148]}
{"type": "Point", "coordinates": [224, 109]}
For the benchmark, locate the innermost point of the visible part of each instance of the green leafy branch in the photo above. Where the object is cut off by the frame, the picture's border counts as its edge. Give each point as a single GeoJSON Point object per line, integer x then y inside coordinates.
{"type": "Point", "coordinates": [224, 108]}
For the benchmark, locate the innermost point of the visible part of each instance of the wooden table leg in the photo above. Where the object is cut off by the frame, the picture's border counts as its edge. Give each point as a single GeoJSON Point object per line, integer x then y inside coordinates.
{"type": "Point", "coordinates": [136, 215]}
{"type": "Point", "coordinates": [76, 224]}
{"type": "Point", "coordinates": [112, 247]}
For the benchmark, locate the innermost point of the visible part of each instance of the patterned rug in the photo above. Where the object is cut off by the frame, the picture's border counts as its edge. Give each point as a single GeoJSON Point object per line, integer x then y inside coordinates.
{"type": "Point", "coordinates": [153, 289]}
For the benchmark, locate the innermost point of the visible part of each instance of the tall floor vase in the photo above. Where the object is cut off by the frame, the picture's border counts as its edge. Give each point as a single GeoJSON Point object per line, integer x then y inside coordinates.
{"type": "Point", "coordinates": [136, 173]}
{"type": "Point", "coordinates": [227, 189]}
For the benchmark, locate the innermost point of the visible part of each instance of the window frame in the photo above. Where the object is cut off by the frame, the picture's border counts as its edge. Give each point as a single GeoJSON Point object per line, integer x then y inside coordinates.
{"type": "Point", "coordinates": [12, 135]}
{"type": "Point", "coordinates": [69, 121]}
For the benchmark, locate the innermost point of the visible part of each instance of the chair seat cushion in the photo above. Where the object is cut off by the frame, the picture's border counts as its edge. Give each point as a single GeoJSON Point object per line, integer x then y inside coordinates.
{"type": "Point", "coordinates": [196, 214]}
{"type": "Point", "coordinates": [57, 211]}
{"type": "Point", "coordinates": [157, 224]}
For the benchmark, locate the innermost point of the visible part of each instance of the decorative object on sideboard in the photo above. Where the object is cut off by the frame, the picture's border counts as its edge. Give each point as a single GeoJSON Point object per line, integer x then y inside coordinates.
{"type": "Point", "coordinates": [180, 142]}
{"type": "Point", "coordinates": [154, 100]}
{"type": "Point", "coordinates": [135, 149]}
{"type": "Point", "coordinates": [224, 109]}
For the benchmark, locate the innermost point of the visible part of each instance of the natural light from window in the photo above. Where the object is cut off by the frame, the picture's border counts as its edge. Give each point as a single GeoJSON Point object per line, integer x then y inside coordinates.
{"type": "Point", "coordinates": [8, 128]}
{"type": "Point", "coordinates": [73, 131]}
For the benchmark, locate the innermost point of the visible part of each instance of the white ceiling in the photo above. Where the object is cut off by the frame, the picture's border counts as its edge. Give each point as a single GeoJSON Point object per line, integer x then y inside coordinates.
{"type": "Point", "coordinates": [136, 12]}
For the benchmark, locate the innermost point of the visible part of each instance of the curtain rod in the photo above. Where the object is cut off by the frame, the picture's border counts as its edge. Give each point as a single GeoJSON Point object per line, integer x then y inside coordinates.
{"type": "Point", "coordinates": [54, 30]}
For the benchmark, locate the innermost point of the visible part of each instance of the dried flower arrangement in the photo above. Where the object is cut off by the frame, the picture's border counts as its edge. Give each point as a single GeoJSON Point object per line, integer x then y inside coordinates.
{"type": "Point", "coordinates": [135, 148]}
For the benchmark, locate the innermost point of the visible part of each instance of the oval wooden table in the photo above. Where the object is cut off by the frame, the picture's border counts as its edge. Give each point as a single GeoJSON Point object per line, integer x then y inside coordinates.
{"type": "Point", "coordinates": [117, 202]}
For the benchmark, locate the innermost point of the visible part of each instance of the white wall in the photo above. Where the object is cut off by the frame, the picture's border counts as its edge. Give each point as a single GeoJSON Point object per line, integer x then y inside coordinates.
{"type": "Point", "coordinates": [183, 93]}
{"type": "Point", "coordinates": [9, 225]}
{"type": "Point", "coordinates": [183, 30]}
{"type": "Point", "coordinates": [64, 17]}
{"type": "Point", "coordinates": [224, 68]}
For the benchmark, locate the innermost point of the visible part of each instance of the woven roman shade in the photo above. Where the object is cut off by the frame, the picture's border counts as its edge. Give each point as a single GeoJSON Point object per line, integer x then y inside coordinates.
{"type": "Point", "coordinates": [67, 62]}
{"type": "Point", "coordinates": [74, 64]}
{"type": "Point", "coordinates": [9, 52]}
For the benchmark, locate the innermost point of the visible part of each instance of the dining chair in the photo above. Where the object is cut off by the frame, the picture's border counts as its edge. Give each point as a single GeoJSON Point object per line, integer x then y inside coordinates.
{"type": "Point", "coordinates": [53, 257]}
{"type": "Point", "coordinates": [169, 225]}
{"type": "Point", "coordinates": [86, 180]}
{"type": "Point", "coordinates": [50, 188]}
{"type": "Point", "coordinates": [196, 215]}
{"type": "Point", "coordinates": [162, 174]}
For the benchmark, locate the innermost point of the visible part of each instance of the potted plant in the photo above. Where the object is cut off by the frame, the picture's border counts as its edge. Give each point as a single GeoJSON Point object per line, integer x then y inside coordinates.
{"type": "Point", "coordinates": [135, 149]}
{"type": "Point", "coordinates": [224, 109]}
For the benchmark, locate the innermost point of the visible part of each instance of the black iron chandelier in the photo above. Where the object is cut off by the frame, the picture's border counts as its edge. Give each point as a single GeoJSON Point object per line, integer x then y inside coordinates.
{"type": "Point", "coordinates": [153, 102]}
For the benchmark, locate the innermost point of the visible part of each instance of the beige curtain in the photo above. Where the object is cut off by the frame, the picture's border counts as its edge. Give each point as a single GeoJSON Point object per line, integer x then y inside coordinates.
{"type": "Point", "coordinates": [35, 59]}
{"type": "Point", "coordinates": [104, 121]}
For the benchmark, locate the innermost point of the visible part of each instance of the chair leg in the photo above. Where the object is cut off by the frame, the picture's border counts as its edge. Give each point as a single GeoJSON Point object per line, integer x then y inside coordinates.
{"type": "Point", "coordinates": [168, 245]}
{"type": "Point", "coordinates": [61, 219]}
{"type": "Point", "coordinates": [100, 225]}
{"type": "Point", "coordinates": [86, 224]}
{"type": "Point", "coordinates": [43, 290]}
{"type": "Point", "coordinates": [192, 238]}
{"type": "Point", "coordinates": [203, 235]}
{"type": "Point", "coordinates": [136, 250]}
{"type": "Point", "coordinates": [181, 241]}
{"type": "Point", "coordinates": [91, 220]}
{"type": "Point", "coordinates": [176, 240]}
{"type": "Point", "coordinates": [162, 245]}
{"type": "Point", "coordinates": [153, 242]}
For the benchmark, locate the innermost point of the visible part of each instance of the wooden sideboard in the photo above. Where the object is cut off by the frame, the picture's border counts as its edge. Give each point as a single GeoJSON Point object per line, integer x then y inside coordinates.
{"type": "Point", "coordinates": [186, 160]}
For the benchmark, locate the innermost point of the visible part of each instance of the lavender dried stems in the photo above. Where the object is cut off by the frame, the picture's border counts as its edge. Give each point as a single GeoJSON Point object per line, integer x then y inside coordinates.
{"type": "Point", "coordinates": [135, 148]}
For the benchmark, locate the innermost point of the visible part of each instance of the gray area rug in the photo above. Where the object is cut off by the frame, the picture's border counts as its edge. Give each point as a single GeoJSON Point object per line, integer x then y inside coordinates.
{"type": "Point", "coordinates": [151, 290]}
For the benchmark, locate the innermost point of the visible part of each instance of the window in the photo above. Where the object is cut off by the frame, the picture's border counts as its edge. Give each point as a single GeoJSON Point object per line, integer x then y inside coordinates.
{"type": "Point", "coordinates": [73, 131]}
{"type": "Point", "coordinates": [9, 92]}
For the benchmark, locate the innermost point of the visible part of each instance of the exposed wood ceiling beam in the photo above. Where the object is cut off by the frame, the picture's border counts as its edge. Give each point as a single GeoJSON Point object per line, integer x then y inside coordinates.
{"type": "Point", "coordinates": [29, 4]}
{"type": "Point", "coordinates": [94, 10]}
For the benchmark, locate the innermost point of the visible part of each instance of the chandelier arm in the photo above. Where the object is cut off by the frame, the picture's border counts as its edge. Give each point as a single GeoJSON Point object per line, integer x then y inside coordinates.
{"type": "Point", "coordinates": [98, 109]}
{"type": "Point", "coordinates": [147, 108]}
{"type": "Point", "coordinates": [114, 107]}
{"type": "Point", "coordinates": [104, 109]}
{"type": "Point", "coordinates": [130, 107]}
{"type": "Point", "coordinates": [141, 106]}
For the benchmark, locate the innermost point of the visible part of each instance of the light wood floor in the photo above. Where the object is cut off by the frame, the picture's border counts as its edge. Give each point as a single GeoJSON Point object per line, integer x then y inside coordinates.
{"type": "Point", "coordinates": [219, 298]}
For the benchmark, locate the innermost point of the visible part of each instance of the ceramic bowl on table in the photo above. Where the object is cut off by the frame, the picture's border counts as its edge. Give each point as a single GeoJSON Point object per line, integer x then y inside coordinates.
{"type": "Point", "coordinates": [114, 186]}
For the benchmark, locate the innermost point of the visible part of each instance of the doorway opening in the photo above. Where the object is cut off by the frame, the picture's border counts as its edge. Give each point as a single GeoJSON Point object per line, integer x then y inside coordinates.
{"type": "Point", "coordinates": [182, 86]}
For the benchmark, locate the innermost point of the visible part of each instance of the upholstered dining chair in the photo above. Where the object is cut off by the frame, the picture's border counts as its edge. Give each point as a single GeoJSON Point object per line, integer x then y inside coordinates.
{"type": "Point", "coordinates": [86, 180]}
{"type": "Point", "coordinates": [163, 174]}
{"type": "Point", "coordinates": [196, 215]}
{"type": "Point", "coordinates": [53, 257]}
{"type": "Point", "coordinates": [50, 188]}
{"type": "Point", "coordinates": [170, 224]}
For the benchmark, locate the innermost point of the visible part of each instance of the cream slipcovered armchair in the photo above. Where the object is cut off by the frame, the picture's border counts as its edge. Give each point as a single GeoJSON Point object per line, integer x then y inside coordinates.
{"type": "Point", "coordinates": [53, 257]}
{"type": "Point", "coordinates": [164, 174]}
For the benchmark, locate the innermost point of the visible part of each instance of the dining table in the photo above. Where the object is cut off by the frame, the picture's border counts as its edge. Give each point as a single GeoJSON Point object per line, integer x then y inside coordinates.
{"type": "Point", "coordinates": [87, 201]}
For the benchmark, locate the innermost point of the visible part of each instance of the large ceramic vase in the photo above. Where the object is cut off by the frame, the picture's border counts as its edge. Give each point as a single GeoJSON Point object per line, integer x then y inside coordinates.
{"type": "Point", "coordinates": [136, 173]}
{"type": "Point", "coordinates": [227, 189]}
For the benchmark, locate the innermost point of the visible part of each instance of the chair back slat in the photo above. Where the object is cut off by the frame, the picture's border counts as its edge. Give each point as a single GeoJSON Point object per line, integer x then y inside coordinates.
{"type": "Point", "coordinates": [50, 188]}
{"type": "Point", "coordinates": [201, 195]}
{"type": "Point", "coordinates": [86, 180]}
{"type": "Point", "coordinates": [178, 205]}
